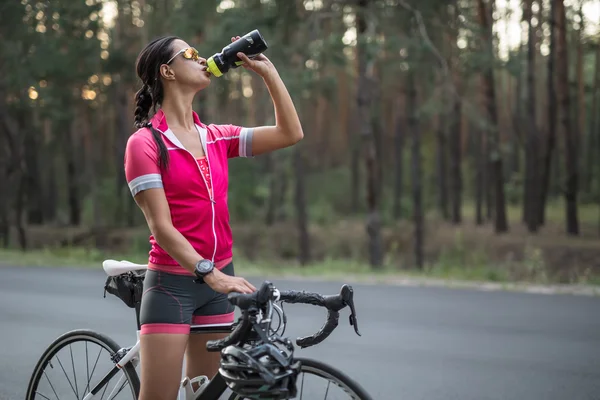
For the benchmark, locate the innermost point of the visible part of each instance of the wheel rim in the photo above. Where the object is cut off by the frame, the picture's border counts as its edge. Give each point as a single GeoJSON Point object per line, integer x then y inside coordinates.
{"type": "Point", "coordinates": [75, 366]}
{"type": "Point", "coordinates": [315, 384]}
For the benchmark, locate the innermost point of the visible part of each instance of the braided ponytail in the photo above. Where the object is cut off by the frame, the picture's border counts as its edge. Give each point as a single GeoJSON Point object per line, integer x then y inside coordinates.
{"type": "Point", "coordinates": [143, 100]}
{"type": "Point", "coordinates": [143, 103]}
{"type": "Point", "coordinates": [156, 53]}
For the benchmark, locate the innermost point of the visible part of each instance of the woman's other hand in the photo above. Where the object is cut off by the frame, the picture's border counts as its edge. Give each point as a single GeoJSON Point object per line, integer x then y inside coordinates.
{"type": "Point", "coordinates": [259, 64]}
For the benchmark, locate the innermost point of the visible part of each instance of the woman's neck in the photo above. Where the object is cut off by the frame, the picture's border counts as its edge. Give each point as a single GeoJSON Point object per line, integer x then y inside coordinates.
{"type": "Point", "coordinates": [178, 111]}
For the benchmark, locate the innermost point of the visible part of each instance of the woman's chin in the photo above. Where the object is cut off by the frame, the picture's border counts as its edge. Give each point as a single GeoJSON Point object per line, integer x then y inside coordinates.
{"type": "Point", "coordinates": [203, 83]}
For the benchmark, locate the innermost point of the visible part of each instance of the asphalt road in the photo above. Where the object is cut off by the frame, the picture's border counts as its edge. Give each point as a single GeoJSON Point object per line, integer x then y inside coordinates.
{"type": "Point", "coordinates": [417, 343]}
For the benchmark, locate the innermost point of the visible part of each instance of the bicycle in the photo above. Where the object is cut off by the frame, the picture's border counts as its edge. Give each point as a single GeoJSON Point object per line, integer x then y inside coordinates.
{"type": "Point", "coordinates": [252, 330]}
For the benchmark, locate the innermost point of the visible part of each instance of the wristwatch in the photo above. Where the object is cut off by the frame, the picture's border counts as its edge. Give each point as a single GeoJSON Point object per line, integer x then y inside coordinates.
{"type": "Point", "coordinates": [203, 268]}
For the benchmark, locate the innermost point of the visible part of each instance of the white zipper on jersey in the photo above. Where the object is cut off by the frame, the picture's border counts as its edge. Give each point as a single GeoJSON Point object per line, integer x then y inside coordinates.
{"type": "Point", "coordinates": [210, 193]}
{"type": "Point", "coordinates": [212, 203]}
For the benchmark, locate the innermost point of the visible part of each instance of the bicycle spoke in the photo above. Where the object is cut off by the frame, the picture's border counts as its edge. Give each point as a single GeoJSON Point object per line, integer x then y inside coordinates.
{"type": "Point", "coordinates": [48, 398]}
{"type": "Point", "coordinates": [48, 379]}
{"type": "Point", "coordinates": [67, 376]}
{"type": "Point", "coordinates": [114, 382]}
{"type": "Point", "coordinates": [93, 369]}
{"type": "Point", "coordinates": [87, 369]}
{"type": "Point", "coordinates": [302, 386]}
{"type": "Point", "coordinates": [327, 391]}
{"type": "Point", "coordinates": [104, 391]}
{"type": "Point", "coordinates": [74, 374]}
{"type": "Point", "coordinates": [122, 386]}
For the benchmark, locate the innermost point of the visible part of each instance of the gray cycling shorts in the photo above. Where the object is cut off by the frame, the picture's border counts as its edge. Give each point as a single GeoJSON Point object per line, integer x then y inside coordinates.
{"type": "Point", "coordinates": [171, 303]}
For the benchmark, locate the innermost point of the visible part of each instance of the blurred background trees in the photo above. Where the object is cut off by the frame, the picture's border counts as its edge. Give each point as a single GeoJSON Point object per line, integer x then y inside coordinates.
{"type": "Point", "coordinates": [470, 118]}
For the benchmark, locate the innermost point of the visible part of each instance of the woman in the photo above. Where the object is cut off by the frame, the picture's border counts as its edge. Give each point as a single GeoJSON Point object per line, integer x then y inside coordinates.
{"type": "Point", "coordinates": [176, 168]}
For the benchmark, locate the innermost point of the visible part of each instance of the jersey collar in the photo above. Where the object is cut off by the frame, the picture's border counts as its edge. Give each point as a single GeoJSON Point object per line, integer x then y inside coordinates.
{"type": "Point", "coordinates": [159, 121]}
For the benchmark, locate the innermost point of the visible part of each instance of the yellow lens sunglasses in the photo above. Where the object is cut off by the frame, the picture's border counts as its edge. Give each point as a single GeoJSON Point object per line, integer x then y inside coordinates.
{"type": "Point", "coordinates": [189, 54]}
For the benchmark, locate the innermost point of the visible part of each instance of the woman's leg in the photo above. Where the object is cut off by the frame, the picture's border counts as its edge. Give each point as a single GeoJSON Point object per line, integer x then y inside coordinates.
{"type": "Point", "coordinates": [212, 309]}
{"type": "Point", "coordinates": [165, 315]}
{"type": "Point", "coordinates": [161, 356]}
{"type": "Point", "coordinates": [198, 360]}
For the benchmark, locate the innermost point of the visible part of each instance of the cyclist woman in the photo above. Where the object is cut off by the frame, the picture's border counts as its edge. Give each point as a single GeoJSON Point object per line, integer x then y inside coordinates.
{"type": "Point", "coordinates": [176, 168]}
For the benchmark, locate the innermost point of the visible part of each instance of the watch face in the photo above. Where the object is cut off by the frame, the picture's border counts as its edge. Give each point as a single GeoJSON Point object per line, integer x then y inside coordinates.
{"type": "Point", "coordinates": [204, 266]}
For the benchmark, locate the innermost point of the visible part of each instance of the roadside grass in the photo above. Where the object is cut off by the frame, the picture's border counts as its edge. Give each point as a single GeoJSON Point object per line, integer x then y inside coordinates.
{"type": "Point", "coordinates": [448, 268]}
{"type": "Point", "coordinates": [464, 252]}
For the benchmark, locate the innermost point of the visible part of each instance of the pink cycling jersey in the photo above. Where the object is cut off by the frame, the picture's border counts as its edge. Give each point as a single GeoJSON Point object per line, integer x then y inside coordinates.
{"type": "Point", "coordinates": [196, 190]}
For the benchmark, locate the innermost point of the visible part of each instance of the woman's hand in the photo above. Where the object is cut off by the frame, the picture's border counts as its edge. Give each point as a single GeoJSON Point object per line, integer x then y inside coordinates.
{"type": "Point", "coordinates": [223, 283]}
{"type": "Point", "coordinates": [259, 64]}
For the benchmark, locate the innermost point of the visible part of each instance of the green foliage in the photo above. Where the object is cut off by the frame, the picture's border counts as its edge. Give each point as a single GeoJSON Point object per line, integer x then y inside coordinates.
{"type": "Point", "coordinates": [248, 190]}
{"type": "Point", "coordinates": [65, 49]}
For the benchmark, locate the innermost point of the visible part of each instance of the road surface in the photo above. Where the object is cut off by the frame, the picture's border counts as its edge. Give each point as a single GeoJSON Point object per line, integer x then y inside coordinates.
{"type": "Point", "coordinates": [417, 343]}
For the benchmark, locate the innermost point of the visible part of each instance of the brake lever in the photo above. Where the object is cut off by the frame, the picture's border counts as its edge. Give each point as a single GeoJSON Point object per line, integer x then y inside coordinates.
{"type": "Point", "coordinates": [348, 299]}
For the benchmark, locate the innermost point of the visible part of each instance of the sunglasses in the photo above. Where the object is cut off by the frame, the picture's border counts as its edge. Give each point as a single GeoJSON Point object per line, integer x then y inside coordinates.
{"type": "Point", "coordinates": [189, 54]}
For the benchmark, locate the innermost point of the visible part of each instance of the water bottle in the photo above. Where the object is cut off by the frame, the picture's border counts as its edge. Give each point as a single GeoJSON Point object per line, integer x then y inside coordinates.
{"type": "Point", "coordinates": [251, 44]}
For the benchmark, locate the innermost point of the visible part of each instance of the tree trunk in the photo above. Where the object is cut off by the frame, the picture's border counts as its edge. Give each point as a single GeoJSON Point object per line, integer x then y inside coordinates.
{"type": "Point", "coordinates": [19, 208]}
{"type": "Point", "coordinates": [516, 118]}
{"type": "Point", "coordinates": [355, 144]}
{"type": "Point", "coordinates": [598, 164]}
{"type": "Point", "coordinates": [594, 154]}
{"type": "Point", "coordinates": [92, 172]}
{"type": "Point", "coordinates": [580, 81]}
{"type": "Point", "coordinates": [14, 170]}
{"type": "Point", "coordinates": [487, 171]}
{"type": "Point", "coordinates": [591, 157]}
{"type": "Point", "coordinates": [72, 176]}
{"type": "Point", "coordinates": [399, 161]}
{"type": "Point", "coordinates": [479, 161]}
{"type": "Point", "coordinates": [581, 103]}
{"type": "Point", "coordinates": [280, 210]}
{"type": "Point", "coordinates": [455, 124]}
{"type": "Point", "coordinates": [520, 115]}
{"type": "Point", "coordinates": [122, 132]}
{"type": "Point", "coordinates": [456, 161]}
{"type": "Point", "coordinates": [377, 129]}
{"type": "Point", "coordinates": [442, 165]}
{"type": "Point", "coordinates": [271, 174]}
{"type": "Point", "coordinates": [4, 194]}
{"type": "Point", "coordinates": [49, 206]}
{"type": "Point", "coordinates": [320, 114]}
{"type": "Point", "coordinates": [531, 161]}
{"type": "Point", "coordinates": [416, 173]}
{"type": "Point", "coordinates": [571, 181]}
{"type": "Point", "coordinates": [552, 114]}
{"type": "Point", "coordinates": [4, 226]}
{"type": "Point", "coordinates": [301, 214]}
{"type": "Point", "coordinates": [495, 166]}
{"type": "Point", "coordinates": [364, 100]}
{"type": "Point", "coordinates": [34, 197]}
{"type": "Point", "coordinates": [298, 156]}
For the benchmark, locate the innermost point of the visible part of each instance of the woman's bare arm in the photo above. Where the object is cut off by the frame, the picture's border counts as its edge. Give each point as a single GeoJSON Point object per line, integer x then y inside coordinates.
{"type": "Point", "coordinates": [155, 207]}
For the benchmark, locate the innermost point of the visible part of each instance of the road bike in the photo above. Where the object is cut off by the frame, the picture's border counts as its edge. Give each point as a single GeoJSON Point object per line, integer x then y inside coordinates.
{"type": "Point", "coordinates": [255, 326]}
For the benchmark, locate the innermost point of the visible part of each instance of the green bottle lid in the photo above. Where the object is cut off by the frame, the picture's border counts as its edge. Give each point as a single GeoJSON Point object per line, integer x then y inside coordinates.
{"type": "Point", "coordinates": [212, 67]}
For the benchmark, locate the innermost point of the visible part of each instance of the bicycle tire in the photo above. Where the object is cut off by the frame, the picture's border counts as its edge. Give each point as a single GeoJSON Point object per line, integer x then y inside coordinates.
{"type": "Point", "coordinates": [74, 336]}
{"type": "Point", "coordinates": [327, 371]}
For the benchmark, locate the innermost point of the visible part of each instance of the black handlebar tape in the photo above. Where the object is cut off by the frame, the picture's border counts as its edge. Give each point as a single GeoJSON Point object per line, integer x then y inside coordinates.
{"type": "Point", "coordinates": [324, 332]}
{"type": "Point", "coordinates": [240, 332]}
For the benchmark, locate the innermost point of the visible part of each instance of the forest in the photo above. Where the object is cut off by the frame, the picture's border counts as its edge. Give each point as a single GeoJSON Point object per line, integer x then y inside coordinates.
{"type": "Point", "coordinates": [438, 135]}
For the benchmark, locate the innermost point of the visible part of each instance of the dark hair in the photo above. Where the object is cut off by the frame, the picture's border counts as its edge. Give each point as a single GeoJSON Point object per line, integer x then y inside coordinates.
{"type": "Point", "coordinates": [150, 95]}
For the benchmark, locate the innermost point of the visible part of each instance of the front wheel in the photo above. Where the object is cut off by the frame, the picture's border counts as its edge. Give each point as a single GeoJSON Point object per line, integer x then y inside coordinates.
{"type": "Point", "coordinates": [78, 362]}
{"type": "Point", "coordinates": [318, 380]}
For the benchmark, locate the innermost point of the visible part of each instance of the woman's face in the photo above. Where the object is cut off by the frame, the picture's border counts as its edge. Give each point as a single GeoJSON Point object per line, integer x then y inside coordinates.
{"type": "Point", "coordinates": [187, 71]}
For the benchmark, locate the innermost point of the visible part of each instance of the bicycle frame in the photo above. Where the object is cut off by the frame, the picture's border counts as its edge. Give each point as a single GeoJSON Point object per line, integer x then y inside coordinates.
{"type": "Point", "coordinates": [215, 388]}
{"type": "Point", "coordinates": [265, 296]}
